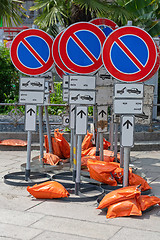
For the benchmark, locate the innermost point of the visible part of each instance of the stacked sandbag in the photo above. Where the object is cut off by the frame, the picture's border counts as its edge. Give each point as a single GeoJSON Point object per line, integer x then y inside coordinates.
{"type": "Point", "coordinates": [127, 201]}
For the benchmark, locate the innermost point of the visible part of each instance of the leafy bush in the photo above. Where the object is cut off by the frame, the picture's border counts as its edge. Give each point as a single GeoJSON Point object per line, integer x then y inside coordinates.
{"type": "Point", "coordinates": [9, 79]}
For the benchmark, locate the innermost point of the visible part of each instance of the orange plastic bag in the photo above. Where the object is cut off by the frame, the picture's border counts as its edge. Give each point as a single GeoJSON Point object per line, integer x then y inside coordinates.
{"type": "Point", "coordinates": [118, 195]}
{"type": "Point", "coordinates": [63, 144]}
{"type": "Point", "coordinates": [50, 189]}
{"type": "Point", "coordinates": [55, 146]}
{"type": "Point", "coordinates": [135, 179]}
{"type": "Point", "coordinates": [146, 201]}
{"type": "Point", "coordinates": [105, 159]}
{"type": "Point", "coordinates": [87, 141]}
{"type": "Point", "coordinates": [118, 174]}
{"type": "Point", "coordinates": [13, 142]}
{"type": "Point", "coordinates": [51, 159]}
{"type": "Point", "coordinates": [106, 144]}
{"type": "Point", "coordinates": [125, 208]}
{"type": "Point", "coordinates": [101, 171]}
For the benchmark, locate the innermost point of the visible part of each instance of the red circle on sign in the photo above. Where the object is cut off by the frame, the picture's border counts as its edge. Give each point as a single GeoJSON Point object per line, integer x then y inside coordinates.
{"type": "Point", "coordinates": [20, 38]}
{"type": "Point", "coordinates": [56, 56]}
{"type": "Point", "coordinates": [114, 37]}
{"type": "Point", "coordinates": [104, 21]}
{"type": "Point", "coordinates": [59, 72]}
{"type": "Point", "coordinates": [70, 33]}
{"type": "Point", "coordinates": [156, 67]}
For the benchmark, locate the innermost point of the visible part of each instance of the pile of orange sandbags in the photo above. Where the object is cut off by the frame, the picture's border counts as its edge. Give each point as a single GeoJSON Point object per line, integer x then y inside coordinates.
{"type": "Point", "coordinates": [104, 173]}
{"type": "Point", "coordinates": [127, 201]}
{"type": "Point", "coordinates": [60, 146]}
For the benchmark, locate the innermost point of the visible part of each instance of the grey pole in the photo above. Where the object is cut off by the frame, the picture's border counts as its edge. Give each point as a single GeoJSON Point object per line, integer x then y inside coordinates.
{"type": "Point", "coordinates": [78, 173]}
{"type": "Point", "coordinates": [121, 156]}
{"type": "Point", "coordinates": [71, 148]}
{"type": "Point", "coordinates": [41, 134]}
{"type": "Point", "coordinates": [116, 141]}
{"type": "Point", "coordinates": [74, 155]}
{"type": "Point", "coordinates": [97, 144]}
{"type": "Point", "coordinates": [126, 166]}
{"type": "Point", "coordinates": [29, 140]}
{"type": "Point", "coordinates": [111, 133]}
{"type": "Point", "coordinates": [101, 145]}
{"type": "Point", "coordinates": [48, 130]}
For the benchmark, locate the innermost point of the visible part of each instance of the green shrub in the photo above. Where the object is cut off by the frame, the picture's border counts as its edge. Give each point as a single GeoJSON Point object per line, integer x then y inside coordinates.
{"type": "Point", "coordinates": [9, 79]}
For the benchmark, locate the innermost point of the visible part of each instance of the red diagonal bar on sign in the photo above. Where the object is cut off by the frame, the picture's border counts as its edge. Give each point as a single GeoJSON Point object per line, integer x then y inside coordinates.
{"type": "Point", "coordinates": [129, 54]}
{"type": "Point", "coordinates": [84, 48]}
{"type": "Point", "coordinates": [34, 53]}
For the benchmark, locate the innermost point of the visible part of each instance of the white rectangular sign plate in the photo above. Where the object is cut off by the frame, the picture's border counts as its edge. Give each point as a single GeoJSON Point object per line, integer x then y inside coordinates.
{"type": "Point", "coordinates": [35, 84]}
{"type": "Point", "coordinates": [82, 97]}
{"type": "Point", "coordinates": [82, 82]}
{"type": "Point", "coordinates": [103, 78]}
{"type": "Point", "coordinates": [102, 118]}
{"type": "Point", "coordinates": [72, 116]}
{"type": "Point", "coordinates": [128, 90]}
{"type": "Point", "coordinates": [65, 94]}
{"type": "Point", "coordinates": [127, 128]}
{"type": "Point", "coordinates": [128, 106]}
{"type": "Point", "coordinates": [104, 95]}
{"type": "Point", "coordinates": [81, 120]}
{"type": "Point", "coordinates": [31, 97]}
{"type": "Point", "coordinates": [30, 117]}
{"type": "Point", "coordinates": [65, 81]}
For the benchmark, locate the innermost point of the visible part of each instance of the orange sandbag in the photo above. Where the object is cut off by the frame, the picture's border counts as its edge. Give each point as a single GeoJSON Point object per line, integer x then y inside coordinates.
{"type": "Point", "coordinates": [87, 141]}
{"type": "Point", "coordinates": [146, 201]}
{"type": "Point", "coordinates": [101, 171]}
{"type": "Point", "coordinates": [118, 174]}
{"type": "Point", "coordinates": [55, 146]}
{"type": "Point", "coordinates": [46, 144]}
{"type": "Point", "coordinates": [110, 154]}
{"type": "Point", "coordinates": [135, 179]}
{"type": "Point", "coordinates": [106, 144]}
{"type": "Point", "coordinates": [50, 189]}
{"type": "Point", "coordinates": [118, 195]}
{"type": "Point", "coordinates": [105, 159]}
{"type": "Point", "coordinates": [13, 142]}
{"type": "Point", "coordinates": [63, 144]}
{"type": "Point", "coordinates": [125, 208]}
{"type": "Point", "coordinates": [51, 159]}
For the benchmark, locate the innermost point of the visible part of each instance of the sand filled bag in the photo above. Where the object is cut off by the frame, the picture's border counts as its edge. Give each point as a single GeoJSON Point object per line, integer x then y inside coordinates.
{"type": "Point", "coordinates": [125, 208]}
{"type": "Point", "coordinates": [87, 143]}
{"type": "Point", "coordinates": [118, 195]}
{"type": "Point", "coordinates": [101, 171]}
{"type": "Point", "coordinates": [48, 190]}
{"type": "Point", "coordinates": [63, 144]}
{"type": "Point", "coordinates": [135, 179]}
{"type": "Point", "coordinates": [146, 201]}
{"type": "Point", "coordinates": [13, 142]}
{"type": "Point", "coordinates": [51, 159]}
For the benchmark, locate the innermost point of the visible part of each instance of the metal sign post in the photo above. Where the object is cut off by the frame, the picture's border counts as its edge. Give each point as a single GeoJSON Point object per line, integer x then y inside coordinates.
{"type": "Point", "coordinates": [81, 129]}
{"type": "Point", "coordinates": [127, 128]}
{"type": "Point", "coordinates": [73, 140]}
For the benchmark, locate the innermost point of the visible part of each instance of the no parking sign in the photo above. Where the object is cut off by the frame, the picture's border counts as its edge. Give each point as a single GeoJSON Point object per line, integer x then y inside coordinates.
{"type": "Point", "coordinates": [31, 52]}
{"type": "Point", "coordinates": [80, 47]}
{"type": "Point", "coordinates": [129, 54]}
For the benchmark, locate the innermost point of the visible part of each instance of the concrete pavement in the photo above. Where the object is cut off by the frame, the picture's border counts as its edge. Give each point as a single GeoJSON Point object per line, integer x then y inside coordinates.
{"type": "Point", "coordinates": [24, 217]}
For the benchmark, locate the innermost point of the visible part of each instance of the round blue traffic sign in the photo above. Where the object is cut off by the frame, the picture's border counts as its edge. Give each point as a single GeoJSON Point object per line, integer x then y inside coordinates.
{"type": "Point", "coordinates": [31, 52]}
{"type": "Point", "coordinates": [129, 54]}
{"type": "Point", "coordinates": [80, 47]}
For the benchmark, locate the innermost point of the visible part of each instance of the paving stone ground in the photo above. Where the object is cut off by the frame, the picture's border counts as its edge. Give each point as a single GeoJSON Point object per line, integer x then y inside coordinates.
{"type": "Point", "coordinates": [24, 217]}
